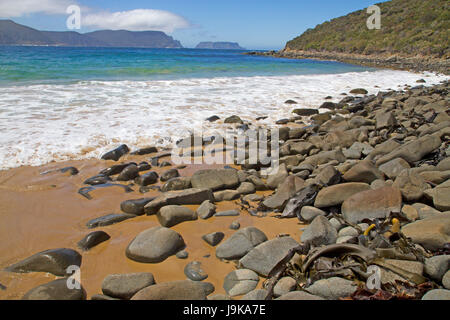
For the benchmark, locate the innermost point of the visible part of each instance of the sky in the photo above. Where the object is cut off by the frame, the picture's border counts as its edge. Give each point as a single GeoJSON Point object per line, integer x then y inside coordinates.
{"type": "Point", "coordinates": [254, 24]}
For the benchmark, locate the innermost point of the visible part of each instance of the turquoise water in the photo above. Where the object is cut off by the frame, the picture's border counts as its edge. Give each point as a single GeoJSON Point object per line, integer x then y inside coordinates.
{"type": "Point", "coordinates": [25, 65]}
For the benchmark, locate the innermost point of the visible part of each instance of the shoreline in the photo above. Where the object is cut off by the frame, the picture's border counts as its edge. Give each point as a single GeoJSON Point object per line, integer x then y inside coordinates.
{"type": "Point", "coordinates": [346, 145]}
{"type": "Point", "coordinates": [391, 61]}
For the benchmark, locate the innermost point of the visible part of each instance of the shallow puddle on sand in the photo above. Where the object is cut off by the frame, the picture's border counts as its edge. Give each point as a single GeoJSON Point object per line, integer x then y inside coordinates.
{"type": "Point", "coordinates": [41, 212]}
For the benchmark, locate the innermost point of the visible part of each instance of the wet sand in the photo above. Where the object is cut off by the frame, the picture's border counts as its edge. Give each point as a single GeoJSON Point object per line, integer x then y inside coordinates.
{"type": "Point", "coordinates": [41, 212]}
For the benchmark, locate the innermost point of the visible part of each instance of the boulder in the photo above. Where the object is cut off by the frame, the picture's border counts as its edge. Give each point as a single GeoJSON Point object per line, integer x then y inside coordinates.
{"type": "Point", "coordinates": [246, 188]}
{"type": "Point", "coordinates": [172, 215]}
{"type": "Point", "coordinates": [308, 213]}
{"type": "Point", "coordinates": [264, 258]}
{"type": "Point", "coordinates": [175, 184]}
{"type": "Point", "coordinates": [135, 206]}
{"type": "Point", "coordinates": [215, 179]}
{"type": "Point", "coordinates": [226, 195]}
{"type": "Point", "coordinates": [257, 294]}
{"type": "Point", "coordinates": [93, 239]}
{"type": "Point", "coordinates": [431, 233]}
{"type": "Point", "coordinates": [364, 171]}
{"type": "Point", "coordinates": [56, 290]}
{"type": "Point", "coordinates": [109, 219]}
{"type": "Point", "coordinates": [206, 209]}
{"type": "Point", "coordinates": [411, 185]}
{"type": "Point", "coordinates": [290, 186]}
{"type": "Point", "coordinates": [129, 173]}
{"type": "Point", "coordinates": [437, 294]}
{"type": "Point", "coordinates": [302, 148]}
{"type": "Point", "coordinates": [240, 282]}
{"type": "Point", "coordinates": [319, 232]}
{"type": "Point", "coordinates": [393, 167]}
{"type": "Point", "coordinates": [169, 174]}
{"type": "Point", "coordinates": [328, 176]}
{"type": "Point", "coordinates": [233, 119]}
{"type": "Point", "coordinates": [154, 245]}
{"type": "Point", "coordinates": [385, 120]}
{"type": "Point", "coordinates": [124, 286]}
{"type": "Point", "coordinates": [437, 266]}
{"type": "Point", "coordinates": [228, 213]}
{"type": "Point", "coordinates": [332, 288]}
{"type": "Point", "coordinates": [413, 151]}
{"type": "Point", "coordinates": [424, 211]}
{"type": "Point", "coordinates": [184, 197]}
{"type": "Point", "coordinates": [147, 179]}
{"type": "Point", "coordinates": [176, 290]}
{"type": "Point", "coordinates": [372, 204]}
{"type": "Point", "coordinates": [276, 179]}
{"type": "Point", "coordinates": [117, 153]}
{"type": "Point", "coordinates": [440, 196]}
{"type": "Point", "coordinates": [213, 239]}
{"type": "Point", "coordinates": [284, 285]}
{"type": "Point", "coordinates": [54, 261]}
{"type": "Point", "coordinates": [305, 112]}
{"type": "Point", "coordinates": [337, 194]}
{"type": "Point", "coordinates": [194, 271]}
{"type": "Point", "coordinates": [240, 243]}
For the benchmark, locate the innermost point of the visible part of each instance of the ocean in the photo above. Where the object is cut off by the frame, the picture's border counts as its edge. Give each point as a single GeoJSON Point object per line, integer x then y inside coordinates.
{"type": "Point", "coordinates": [60, 103]}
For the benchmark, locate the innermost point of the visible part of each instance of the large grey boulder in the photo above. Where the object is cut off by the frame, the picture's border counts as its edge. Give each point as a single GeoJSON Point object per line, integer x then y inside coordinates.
{"type": "Point", "coordinates": [437, 294]}
{"type": "Point", "coordinates": [240, 243]}
{"type": "Point", "coordinates": [288, 188]}
{"type": "Point", "coordinates": [364, 171]}
{"type": "Point", "coordinates": [276, 179]}
{"type": "Point", "coordinates": [155, 245]}
{"type": "Point", "coordinates": [440, 196]}
{"type": "Point", "coordinates": [170, 216]}
{"type": "Point", "coordinates": [332, 288]}
{"type": "Point", "coordinates": [431, 233]}
{"type": "Point", "coordinates": [206, 209]}
{"type": "Point", "coordinates": [55, 261]}
{"type": "Point", "coordinates": [337, 194]}
{"type": "Point", "coordinates": [184, 197]}
{"type": "Point", "coordinates": [176, 290]}
{"type": "Point", "coordinates": [437, 266]}
{"type": "Point", "coordinates": [109, 219]}
{"type": "Point", "coordinates": [263, 258]}
{"type": "Point", "coordinates": [57, 290]}
{"type": "Point", "coordinates": [411, 185]}
{"type": "Point", "coordinates": [393, 167]}
{"type": "Point", "coordinates": [319, 232]}
{"type": "Point", "coordinates": [135, 206]}
{"type": "Point", "coordinates": [240, 282]}
{"type": "Point", "coordinates": [372, 204]}
{"type": "Point", "coordinates": [413, 151]}
{"type": "Point", "coordinates": [215, 179]}
{"type": "Point", "coordinates": [124, 286]}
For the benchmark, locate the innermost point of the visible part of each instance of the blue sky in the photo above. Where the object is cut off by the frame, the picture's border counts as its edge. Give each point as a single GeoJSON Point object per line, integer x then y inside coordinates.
{"type": "Point", "coordinates": [255, 24]}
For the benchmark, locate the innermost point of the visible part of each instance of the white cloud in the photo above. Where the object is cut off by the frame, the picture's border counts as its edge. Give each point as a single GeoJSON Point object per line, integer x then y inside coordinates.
{"type": "Point", "coordinates": [18, 8]}
{"type": "Point", "coordinates": [136, 20]}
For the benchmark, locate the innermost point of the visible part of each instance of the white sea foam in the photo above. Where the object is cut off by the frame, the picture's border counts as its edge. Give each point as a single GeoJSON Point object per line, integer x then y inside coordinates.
{"type": "Point", "coordinates": [41, 123]}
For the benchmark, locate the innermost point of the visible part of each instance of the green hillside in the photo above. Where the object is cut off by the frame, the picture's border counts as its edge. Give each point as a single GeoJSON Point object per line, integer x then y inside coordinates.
{"type": "Point", "coordinates": [408, 28]}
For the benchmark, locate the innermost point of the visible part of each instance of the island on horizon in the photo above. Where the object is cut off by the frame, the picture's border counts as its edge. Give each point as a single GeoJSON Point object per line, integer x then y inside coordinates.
{"type": "Point", "coordinates": [219, 45]}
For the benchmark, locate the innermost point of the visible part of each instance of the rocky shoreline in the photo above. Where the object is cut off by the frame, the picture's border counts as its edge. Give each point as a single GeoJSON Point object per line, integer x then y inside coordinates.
{"type": "Point", "coordinates": [396, 62]}
{"type": "Point", "coordinates": [368, 181]}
